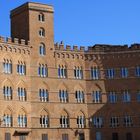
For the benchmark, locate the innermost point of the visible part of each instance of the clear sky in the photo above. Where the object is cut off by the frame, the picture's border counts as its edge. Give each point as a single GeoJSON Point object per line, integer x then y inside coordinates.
{"type": "Point", "coordinates": [86, 22]}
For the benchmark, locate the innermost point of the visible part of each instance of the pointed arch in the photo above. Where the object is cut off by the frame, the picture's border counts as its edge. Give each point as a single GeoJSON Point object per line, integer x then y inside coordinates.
{"type": "Point", "coordinates": [8, 110]}
{"type": "Point", "coordinates": [79, 87]}
{"type": "Point", "coordinates": [22, 111]}
{"type": "Point", "coordinates": [21, 83]}
{"type": "Point", "coordinates": [43, 85]}
{"type": "Point", "coordinates": [7, 82]}
{"type": "Point", "coordinates": [64, 112]}
{"type": "Point", "coordinates": [62, 86]}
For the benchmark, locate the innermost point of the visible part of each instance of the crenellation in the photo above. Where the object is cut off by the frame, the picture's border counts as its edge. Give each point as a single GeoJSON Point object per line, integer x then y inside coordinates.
{"type": "Point", "coordinates": [16, 40]}
{"type": "Point", "coordinates": [23, 42]}
{"type": "Point", "coordinates": [75, 48]}
{"type": "Point", "coordinates": [82, 48]}
{"type": "Point", "coordinates": [2, 39]}
{"type": "Point", "coordinates": [9, 40]}
{"type": "Point", "coordinates": [68, 48]}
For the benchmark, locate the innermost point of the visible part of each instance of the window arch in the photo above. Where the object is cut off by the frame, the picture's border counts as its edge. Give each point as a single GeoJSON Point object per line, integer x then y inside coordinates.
{"type": "Point", "coordinates": [22, 119]}
{"type": "Point", "coordinates": [43, 95]}
{"type": "Point", "coordinates": [78, 72]}
{"type": "Point", "coordinates": [64, 119]}
{"type": "Point", "coordinates": [42, 49]}
{"type": "Point", "coordinates": [42, 70]}
{"type": "Point", "coordinates": [7, 66]}
{"type": "Point", "coordinates": [42, 32]}
{"type": "Point", "coordinates": [7, 118]}
{"type": "Point", "coordinates": [21, 68]}
{"type": "Point", "coordinates": [62, 71]}
{"type": "Point", "coordinates": [7, 92]}
{"type": "Point", "coordinates": [21, 93]}
{"type": "Point", "coordinates": [81, 120]}
{"type": "Point", "coordinates": [41, 17]}
{"type": "Point", "coordinates": [44, 119]}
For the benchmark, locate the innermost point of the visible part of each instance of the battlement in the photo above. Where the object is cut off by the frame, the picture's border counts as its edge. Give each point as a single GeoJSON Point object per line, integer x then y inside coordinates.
{"type": "Point", "coordinates": [96, 48]}
{"type": "Point", "coordinates": [14, 41]}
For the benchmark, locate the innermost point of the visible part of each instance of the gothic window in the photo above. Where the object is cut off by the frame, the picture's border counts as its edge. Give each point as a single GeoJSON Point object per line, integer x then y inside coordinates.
{"type": "Point", "coordinates": [41, 17]}
{"type": "Point", "coordinates": [42, 32]}
{"type": "Point", "coordinates": [7, 66]}
{"type": "Point", "coordinates": [7, 92]}
{"type": "Point", "coordinates": [42, 49]}
{"type": "Point", "coordinates": [21, 94]}
{"type": "Point", "coordinates": [43, 95]}
{"type": "Point", "coordinates": [21, 68]}
{"type": "Point", "coordinates": [42, 70]}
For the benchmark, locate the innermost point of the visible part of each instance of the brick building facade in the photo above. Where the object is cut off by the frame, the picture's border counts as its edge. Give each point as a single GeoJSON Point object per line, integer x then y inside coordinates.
{"type": "Point", "coordinates": [54, 92]}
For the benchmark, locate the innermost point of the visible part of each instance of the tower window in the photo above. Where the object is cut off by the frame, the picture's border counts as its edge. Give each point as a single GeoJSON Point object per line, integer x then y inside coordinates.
{"type": "Point", "coordinates": [42, 49]}
{"type": "Point", "coordinates": [42, 32]}
{"type": "Point", "coordinates": [41, 17]}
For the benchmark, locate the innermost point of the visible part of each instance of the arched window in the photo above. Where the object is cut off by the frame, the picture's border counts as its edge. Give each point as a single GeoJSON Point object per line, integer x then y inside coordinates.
{"type": "Point", "coordinates": [43, 95]}
{"type": "Point", "coordinates": [79, 95]}
{"type": "Point", "coordinates": [22, 119]}
{"type": "Point", "coordinates": [41, 17]}
{"type": "Point", "coordinates": [95, 73]}
{"type": "Point", "coordinates": [64, 120]}
{"type": "Point", "coordinates": [78, 72]}
{"type": "Point", "coordinates": [44, 119]}
{"type": "Point", "coordinates": [42, 49]}
{"type": "Point", "coordinates": [81, 120]}
{"type": "Point", "coordinates": [21, 68]}
{"type": "Point", "coordinates": [42, 32]}
{"type": "Point", "coordinates": [7, 92]}
{"type": "Point", "coordinates": [22, 94]}
{"type": "Point", "coordinates": [63, 96]}
{"type": "Point", "coordinates": [62, 71]}
{"type": "Point", "coordinates": [7, 66]}
{"type": "Point", "coordinates": [42, 70]}
{"type": "Point", "coordinates": [7, 118]}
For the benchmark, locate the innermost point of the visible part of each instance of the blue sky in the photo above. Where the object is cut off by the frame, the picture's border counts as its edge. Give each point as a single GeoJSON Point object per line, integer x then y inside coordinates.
{"type": "Point", "coordinates": [87, 22]}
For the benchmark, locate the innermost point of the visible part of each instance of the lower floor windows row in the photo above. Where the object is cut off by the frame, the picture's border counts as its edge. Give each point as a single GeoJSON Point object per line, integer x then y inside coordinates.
{"type": "Point", "coordinates": [114, 121]}
{"type": "Point", "coordinates": [114, 136]}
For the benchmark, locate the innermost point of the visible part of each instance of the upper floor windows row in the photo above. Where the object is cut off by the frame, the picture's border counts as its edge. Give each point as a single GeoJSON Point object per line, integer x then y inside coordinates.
{"type": "Point", "coordinates": [8, 93]}
{"type": "Point", "coordinates": [7, 67]}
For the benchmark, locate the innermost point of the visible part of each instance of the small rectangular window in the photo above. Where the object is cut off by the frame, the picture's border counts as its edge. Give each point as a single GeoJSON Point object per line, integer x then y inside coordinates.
{"type": "Point", "coordinates": [115, 136]}
{"type": "Point", "coordinates": [98, 136]}
{"type": "Point", "coordinates": [7, 136]}
{"type": "Point", "coordinates": [22, 137]}
{"type": "Point", "coordinates": [44, 136]}
{"type": "Point", "coordinates": [65, 137]}
{"type": "Point", "coordinates": [129, 136]}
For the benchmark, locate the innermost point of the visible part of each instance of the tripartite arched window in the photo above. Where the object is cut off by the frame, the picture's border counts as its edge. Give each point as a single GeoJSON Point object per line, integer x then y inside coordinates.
{"type": "Point", "coordinates": [44, 119]}
{"type": "Point", "coordinates": [78, 72]}
{"type": "Point", "coordinates": [42, 32]}
{"type": "Point", "coordinates": [7, 118]}
{"type": "Point", "coordinates": [63, 96]}
{"type": "Point", "coordinates": [64, 120]}
{"type": "Point", "coordinates": [7, 66]}
{"type": "Point", "coordinates": [21, 68]}
{"type": "Point", "coordinates": [43, 95]}
{"type": "Point", "coordinates": [22, 119]}
{"type": "Point", "coordinates": [7, 92]}
{"type": "Point", "coordinates": [21, 94]}
{"type": "Point", "coordinates": [79, 95]}
{"type": "Point", "coordinates": [62, 71]}
{"type": "Point", "coordinates": [41, 17]}
{"type": "Point", "coordinates": [42, 49]}
{"type": "Point", "coordinates": [81, 120]}
{"type": "Point", "coordinates": [95, 73]}
{"type": "Point", "coordinates": [42, 70]}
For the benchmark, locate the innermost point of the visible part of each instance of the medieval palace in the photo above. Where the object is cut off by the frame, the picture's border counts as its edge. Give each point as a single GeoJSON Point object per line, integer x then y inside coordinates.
{"type": "Point", "coordinates": [49, 91]}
